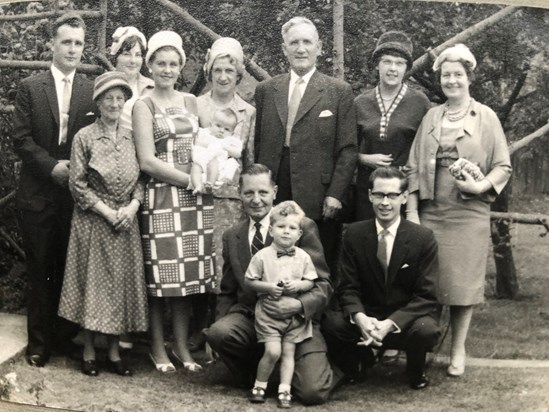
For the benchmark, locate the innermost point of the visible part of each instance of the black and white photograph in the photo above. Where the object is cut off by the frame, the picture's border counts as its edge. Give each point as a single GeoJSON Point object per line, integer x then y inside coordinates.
{"type": "Point", "coordinates": [253, 205]}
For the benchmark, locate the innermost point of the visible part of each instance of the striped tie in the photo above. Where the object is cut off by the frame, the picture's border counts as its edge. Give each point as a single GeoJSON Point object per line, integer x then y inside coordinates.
{"type": "Point", "coordinates": [257, 241]}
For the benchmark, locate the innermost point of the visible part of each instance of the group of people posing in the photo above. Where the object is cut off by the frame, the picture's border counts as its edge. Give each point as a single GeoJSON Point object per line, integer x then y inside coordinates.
{"type": "Point", "coordinates": [176, 198]}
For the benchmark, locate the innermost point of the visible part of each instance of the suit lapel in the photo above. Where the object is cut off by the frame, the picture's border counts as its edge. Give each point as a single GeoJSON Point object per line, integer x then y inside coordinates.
{"type": "Point", "coordinates": [282, 86]}
{"type": "Point", "coordinates": [399, 253]}
{"type": "Point", "coordinates": [51, 95]}
{"type": "Point", "coordinates": [313, 92]}
{"type": "Point", "coordinates": [244, 253]}
{"type": "Point", "coordinates": [75, 103]}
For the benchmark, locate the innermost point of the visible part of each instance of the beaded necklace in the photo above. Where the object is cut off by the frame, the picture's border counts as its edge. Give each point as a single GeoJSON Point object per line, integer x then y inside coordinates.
{"type": "Point", "coordinates": [386, 113]}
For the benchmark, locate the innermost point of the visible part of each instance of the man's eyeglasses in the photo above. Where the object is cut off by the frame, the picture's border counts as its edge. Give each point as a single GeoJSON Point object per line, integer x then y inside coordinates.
{"type": "Point", "coordinates": [381, 195]}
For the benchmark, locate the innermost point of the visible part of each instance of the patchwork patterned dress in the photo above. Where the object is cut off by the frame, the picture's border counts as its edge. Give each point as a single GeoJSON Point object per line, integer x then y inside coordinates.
{"type": "Point", "coordinates": [176, 226]}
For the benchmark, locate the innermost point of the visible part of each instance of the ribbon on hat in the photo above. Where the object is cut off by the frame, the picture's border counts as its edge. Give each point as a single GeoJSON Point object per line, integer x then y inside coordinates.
{"type": "Point", "coordinates": [121, 34]}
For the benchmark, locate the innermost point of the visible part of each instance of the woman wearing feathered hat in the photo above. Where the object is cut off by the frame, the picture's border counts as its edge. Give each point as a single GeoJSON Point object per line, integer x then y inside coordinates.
{"type": "Point", "coordinates": [387, 116]}
{"type": "Point", "coordinates": [459, 163]}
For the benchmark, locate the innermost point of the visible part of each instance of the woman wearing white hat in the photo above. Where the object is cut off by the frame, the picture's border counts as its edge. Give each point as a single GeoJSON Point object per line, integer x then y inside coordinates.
{"type": "Point", "coordinates": [127, 53]}
{"type": "Point", "coordinates": [459, 163]}
{"type": "Point", "coordinates": [224, 68]}
{"type": "Point", "coordinates": [103, 288]}
{"type": "Point", "coordinates": [176, 225]}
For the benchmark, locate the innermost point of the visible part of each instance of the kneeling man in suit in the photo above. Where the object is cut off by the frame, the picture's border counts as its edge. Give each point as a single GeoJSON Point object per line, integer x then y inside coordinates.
{"type": "Point", "coordinates": [386, 293]}
{"type": "Point", "coordinates": [233, 334]}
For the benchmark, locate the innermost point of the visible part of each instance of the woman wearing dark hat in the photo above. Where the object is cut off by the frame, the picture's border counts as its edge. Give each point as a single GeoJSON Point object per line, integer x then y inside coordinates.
{"type": "Point", "coordinates": [459, 163]}
{"type": "Point", "coordinates": [387, 116]}
{"type": "Point", "coordinates": [104, 288]}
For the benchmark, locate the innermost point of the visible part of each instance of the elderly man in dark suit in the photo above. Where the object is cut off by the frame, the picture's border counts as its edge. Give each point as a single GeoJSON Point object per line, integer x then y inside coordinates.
{"type": "Point", "coordinates": [387, 290]}
{"type": "Point", "coordinates": [233, 335]}
{"type": "Point", "coordinates": [306, 133]}
{"type": "Point", "coordinates": [49, 109]}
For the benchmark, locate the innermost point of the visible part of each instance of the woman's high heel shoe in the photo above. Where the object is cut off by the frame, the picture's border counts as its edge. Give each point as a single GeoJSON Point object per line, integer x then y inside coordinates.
{"type": "Point", "coordinates": [162, 367]}
{"type": "Point", "coordinates": [190, 366]}
{"type": "Point", "coordinates": [456, 367]}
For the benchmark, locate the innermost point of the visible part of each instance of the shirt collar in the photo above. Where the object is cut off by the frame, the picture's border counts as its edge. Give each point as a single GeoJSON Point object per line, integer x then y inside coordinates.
{"type": "Point", "coordinates": [392, 229]}
{"type": "Point", "coordinates": [294, 76]}
{"type": "Point", "coordinates": [265, 222]}
{"type": "Point", "coordinates": [237, 104]}
{"type": "Point", "coordinates": [59, 76]}
{"type": "Point", "coordinates": [103, 133]}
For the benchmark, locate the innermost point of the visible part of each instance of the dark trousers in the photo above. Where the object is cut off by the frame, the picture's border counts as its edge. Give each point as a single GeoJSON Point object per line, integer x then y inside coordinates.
{"type": "Point", "coordinates": [329, 229]}
{"type": "Point", "coordinates": [233, 337]}
{"type": "Point", "coordinates": [45, 236]}
{"type": "Point", "coordinates": [342, 338]}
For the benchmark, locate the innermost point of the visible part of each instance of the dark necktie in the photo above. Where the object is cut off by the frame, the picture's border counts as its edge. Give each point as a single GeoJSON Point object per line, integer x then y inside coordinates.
{"type": "Point", "coordinates": [257, 241]}
{"type": "Point", "coordinates": [293, 105]}
{"type": "Point", "coordinates": [382, 251]}
{"type": "Point", "coordinates": [289, 252]}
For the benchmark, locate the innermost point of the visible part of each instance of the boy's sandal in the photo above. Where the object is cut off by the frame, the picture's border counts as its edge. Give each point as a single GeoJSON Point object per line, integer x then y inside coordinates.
{"type": "Point", "coordinates": [284, 400]}
{"type": "Point", "coordinates": [257, 395]}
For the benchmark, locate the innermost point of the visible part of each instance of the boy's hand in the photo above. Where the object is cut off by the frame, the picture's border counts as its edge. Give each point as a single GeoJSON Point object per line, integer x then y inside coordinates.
{"type": "Point", "coordinates": [291, 286]}
{"type": "Point", "coordinates": [275, 290]}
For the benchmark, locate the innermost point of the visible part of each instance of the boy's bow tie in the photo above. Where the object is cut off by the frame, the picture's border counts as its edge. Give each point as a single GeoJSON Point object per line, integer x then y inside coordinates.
{"type": "Point", "coordinates": [289, 252]}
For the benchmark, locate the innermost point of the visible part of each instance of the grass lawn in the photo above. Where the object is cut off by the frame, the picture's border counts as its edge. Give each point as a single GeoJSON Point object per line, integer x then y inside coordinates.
{"type": "Point", "coordinates": [61, 385]}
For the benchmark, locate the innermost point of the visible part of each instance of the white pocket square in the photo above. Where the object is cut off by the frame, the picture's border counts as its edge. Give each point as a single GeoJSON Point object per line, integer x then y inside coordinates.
{"type": "Point", "coordinates": [404, 266]}
{"type": "Point", "coordinates": [90, 114]}
{"type": "Point", "coordinates": [325, 113]}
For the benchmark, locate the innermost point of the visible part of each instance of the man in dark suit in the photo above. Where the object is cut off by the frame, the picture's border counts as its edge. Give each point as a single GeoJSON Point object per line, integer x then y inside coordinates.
{"type": "Point", "coordinates": [306, 133]}
{"type": "Point", "coordinates": [387, 290]}
{"type": "Point", "coordinates": [233, 335]}
{"type": "Point", "coordinates": [49, 109]}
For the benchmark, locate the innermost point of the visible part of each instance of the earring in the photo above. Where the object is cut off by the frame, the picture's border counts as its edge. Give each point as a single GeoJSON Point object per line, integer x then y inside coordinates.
{"type": "Point", "coordinates": [150, 71]}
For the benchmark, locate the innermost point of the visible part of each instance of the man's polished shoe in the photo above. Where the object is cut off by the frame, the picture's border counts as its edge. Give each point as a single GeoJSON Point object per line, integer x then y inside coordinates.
{"type": "Point", "coordinates": [419, 381]}
{"type": "Point", "coordinates": [36, 360]}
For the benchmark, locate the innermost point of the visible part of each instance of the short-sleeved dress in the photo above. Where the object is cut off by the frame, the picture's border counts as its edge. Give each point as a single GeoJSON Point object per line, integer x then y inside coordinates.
{"type": "Point", "coordinates": [104, 284]}
{"type": "Point", "coordinates": [176, 226]}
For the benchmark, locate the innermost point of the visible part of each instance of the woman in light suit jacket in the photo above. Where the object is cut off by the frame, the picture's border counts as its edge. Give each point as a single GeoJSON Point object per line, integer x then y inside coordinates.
{"type": "Point", "coordinates": [453, 197]}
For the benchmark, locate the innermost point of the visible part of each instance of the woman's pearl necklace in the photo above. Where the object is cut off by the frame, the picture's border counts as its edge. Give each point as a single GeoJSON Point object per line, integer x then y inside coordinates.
{"type": "Point", "coordinates": [458, 114]}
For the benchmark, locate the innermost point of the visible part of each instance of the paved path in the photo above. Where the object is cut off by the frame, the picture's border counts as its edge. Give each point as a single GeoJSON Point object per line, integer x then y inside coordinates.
{"type": "Point", "coordinates": [13, 341]}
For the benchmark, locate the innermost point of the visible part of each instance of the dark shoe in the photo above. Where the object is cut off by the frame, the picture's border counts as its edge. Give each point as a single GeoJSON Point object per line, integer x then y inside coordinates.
{"type": "Point", "coordinates": [419, 381]}
{"type": "Point", "coordinates": [90, 368]}
{"type": "Point", "coordinates": [119, 367]}
{"type": "Point", "coordinates": [257, 395]}
{"type": "Point", "coordinates": [284, 400]}
{"type": "Point", "coordinates": [36, 360]}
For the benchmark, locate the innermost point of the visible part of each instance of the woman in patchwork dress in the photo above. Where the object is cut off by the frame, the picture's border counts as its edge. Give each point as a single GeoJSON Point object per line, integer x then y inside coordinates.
{"type": "Point", "coordinates": [177, 226]}
{"type": "Point", "coordinates": [104, 288]}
